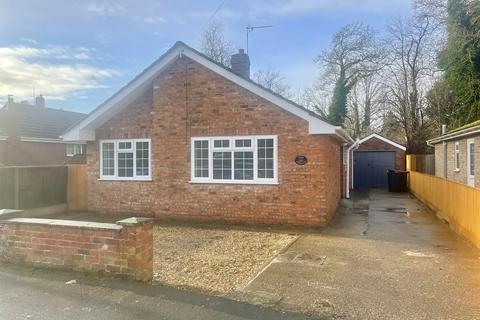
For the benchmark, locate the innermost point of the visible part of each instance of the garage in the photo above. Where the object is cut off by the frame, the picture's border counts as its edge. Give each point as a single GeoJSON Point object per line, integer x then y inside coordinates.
{"type": "Point", "coordinates": [372, 157]}
{"type": "Point", "coordinates": [370, 168]}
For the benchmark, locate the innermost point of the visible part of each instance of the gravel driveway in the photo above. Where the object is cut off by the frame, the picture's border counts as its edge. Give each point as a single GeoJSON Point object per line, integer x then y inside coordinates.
{"type": "Point", "coordinates": [213, 260]}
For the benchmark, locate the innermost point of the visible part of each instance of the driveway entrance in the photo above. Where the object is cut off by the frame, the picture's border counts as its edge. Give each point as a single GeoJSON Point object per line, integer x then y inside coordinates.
{"type": "Point", "coordinates": [384, 257]}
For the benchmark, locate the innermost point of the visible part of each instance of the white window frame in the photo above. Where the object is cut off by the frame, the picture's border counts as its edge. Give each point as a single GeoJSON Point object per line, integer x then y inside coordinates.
{"type": "Point", "coordinates": [232, 148]}
{"type": "Point", "coordinates": [470, 176]}
{"type": "Point", "coordinates": [69, 154]}
{"type": "Point", "coordinates": [456, 157]}
{"type": "Point", "coordinates": [116, 142]}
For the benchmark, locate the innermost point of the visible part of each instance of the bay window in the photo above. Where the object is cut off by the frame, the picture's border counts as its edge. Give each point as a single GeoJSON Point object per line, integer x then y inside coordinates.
{"type": "Point", "coordinates": [125, 159]}
{"type": "Point", "coordinates": [250, 159]}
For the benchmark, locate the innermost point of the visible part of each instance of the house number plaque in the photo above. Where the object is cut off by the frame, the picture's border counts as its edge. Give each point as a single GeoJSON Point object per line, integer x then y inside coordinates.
{"type": "Point", "coordinates": [301, 160]}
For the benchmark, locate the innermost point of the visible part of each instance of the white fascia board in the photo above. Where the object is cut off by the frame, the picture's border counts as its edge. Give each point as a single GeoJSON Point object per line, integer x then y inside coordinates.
{"type": "Point", "coordinates": [340, 132]}
{"type": "Point", "coordinates": [454, 135]}
{"type": "Point", "coordinates": [35, 139]}
{"type": "Point", "coordinates": [374, 135]}
{"type": "Point", "coordinates": [45, 140]}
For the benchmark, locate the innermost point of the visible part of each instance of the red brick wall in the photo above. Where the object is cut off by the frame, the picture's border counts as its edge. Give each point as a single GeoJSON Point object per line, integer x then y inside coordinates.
{"type": "Point", "coordinates": [22, 153]}
{"type": "Point", "coordinates": [376, 144]}
{"type": "Point", "coordinates": [210, 105]}
{"type": "Point", "coordinates": [124, 252]}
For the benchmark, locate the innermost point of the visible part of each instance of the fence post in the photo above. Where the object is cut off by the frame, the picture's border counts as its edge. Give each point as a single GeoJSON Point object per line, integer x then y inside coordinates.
{"type": "Point", "coordinates": [411, 162]}
{"type": "Point", "coordinates": [16, 188]}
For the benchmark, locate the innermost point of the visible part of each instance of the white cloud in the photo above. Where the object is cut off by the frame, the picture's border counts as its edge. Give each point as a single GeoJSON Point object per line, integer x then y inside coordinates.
{"type": "Point", "coordinates": [29, 40]}
{"type": "Point", "coordinates": [155, 20]}
{"type": "Point", "coordinates": [55, 72]}
{"type": "Point", "coordinates": [206, 14]}
{"type": "Point", "coordinates": [296, 7]}
{"type": "Point", "coordinates": [106, 10]}
{"type": "Point", "coordinates": [53, 52]}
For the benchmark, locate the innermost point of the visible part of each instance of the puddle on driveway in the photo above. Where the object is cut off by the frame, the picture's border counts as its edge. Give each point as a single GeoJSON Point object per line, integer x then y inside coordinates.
{"type": "Point", "coordinates": [309, 259]}
{"type": "Point", "coordinates": [360, 211]}
{"type": "Point", "coordinates": [395, 210]}
{"type": "Point", "coordinates": [411, 217]}
{"type": "Point", "coordinates": [305, 258]}
{"type": "Point", "coordinates": [417, 214]}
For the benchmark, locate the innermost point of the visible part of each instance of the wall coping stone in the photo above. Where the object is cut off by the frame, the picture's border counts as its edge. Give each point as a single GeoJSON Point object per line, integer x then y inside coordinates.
{"type": "Point", "coordinates": [5, 212]}
{"type": "Point", "coordinates": [134, 221]}
{"type": "Point", "coordinates": [66, 223]}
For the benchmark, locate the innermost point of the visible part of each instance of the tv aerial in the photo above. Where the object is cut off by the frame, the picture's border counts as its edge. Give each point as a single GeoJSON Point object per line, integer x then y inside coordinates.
{"type": "Point", "coordinates": [252, 28]}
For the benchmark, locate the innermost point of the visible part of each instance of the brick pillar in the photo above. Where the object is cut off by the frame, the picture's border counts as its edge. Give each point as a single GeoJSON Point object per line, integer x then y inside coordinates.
{"type": "Point", "coordinates": [137, 248]}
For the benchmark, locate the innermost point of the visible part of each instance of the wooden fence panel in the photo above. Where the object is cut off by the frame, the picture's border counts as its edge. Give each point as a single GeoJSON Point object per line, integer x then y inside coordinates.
{"type": "Point", "coordinates": [77, 187]}
{"type": "Point", "coordinates": [7, 187]}
{"type": "Point", "coordinates": [457, 203]}
{"type": "Point", "coordinates": [32, 186]}
{"type": "Point", "coordinates": [424, 163]}
{"type": "Point", "coordinates": [42, 186]}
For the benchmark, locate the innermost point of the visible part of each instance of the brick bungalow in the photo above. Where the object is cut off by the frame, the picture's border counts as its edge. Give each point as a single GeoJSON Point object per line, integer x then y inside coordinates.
{"type": "Point", "coordinates": [191, 139]}
{"type": "Point", "coordinates": [457, 154]}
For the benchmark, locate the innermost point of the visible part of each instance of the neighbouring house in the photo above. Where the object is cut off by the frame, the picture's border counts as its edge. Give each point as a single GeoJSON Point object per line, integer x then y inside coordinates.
{"type": "Point", "coordinates": [30, 135]}
{"type": "Point", "coordinates": [191, 139]}
{"type": "Point", "coordinates": [372, 156]}
{"type": "Point", "coordinates": [457, 154]}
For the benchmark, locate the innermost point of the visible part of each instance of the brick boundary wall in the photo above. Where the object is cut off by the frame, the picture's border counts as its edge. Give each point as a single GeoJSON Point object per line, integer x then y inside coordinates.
{"type": "Point", "coordinates": [123, 249]}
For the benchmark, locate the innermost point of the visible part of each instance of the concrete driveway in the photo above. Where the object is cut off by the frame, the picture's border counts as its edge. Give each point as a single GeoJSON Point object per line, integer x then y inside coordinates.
{"type": "Point", "coordinates": [384, 257]}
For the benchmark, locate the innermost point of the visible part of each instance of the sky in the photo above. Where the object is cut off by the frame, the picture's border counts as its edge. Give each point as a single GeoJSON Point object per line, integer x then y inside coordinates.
{"type": "Point", "coordinates": [78, 53]}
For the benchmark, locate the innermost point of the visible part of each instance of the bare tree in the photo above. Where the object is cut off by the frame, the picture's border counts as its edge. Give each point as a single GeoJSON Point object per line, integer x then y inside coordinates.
{"type": "Point", "coordinates": [273, 80]}
{"type": "Point", "coordinates": [317, 97]}
{"type": "Point", "coordinates": [436, 10]}
{"type": "Point", "coordinates": [214, 45]}
{"type": "Point", "coordinates": [354, 54]}
{"type": "Point", "coordinates": [411, 67]}
{"type": "Point", "coordinates": [442, 108]}
{"type": "Point", "coordinates": [364, 103]}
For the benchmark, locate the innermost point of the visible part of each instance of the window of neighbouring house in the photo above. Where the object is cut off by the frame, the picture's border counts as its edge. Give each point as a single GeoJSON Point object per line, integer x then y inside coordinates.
{"type": "Point", "coordinates": [125, 159]}
{"type": "Point", "coordinates": [471, 162]}
{"type": "Point", "coordinates": [457, 156]}
{"type": "Point", "coordinates": [251, 159]}
{"type": "Point", "coordinates": [75, 148]}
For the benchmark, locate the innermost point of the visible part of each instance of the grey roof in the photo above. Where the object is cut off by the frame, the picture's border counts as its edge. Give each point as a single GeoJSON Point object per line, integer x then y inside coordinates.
{"type": "Point", "coordinates": [37, 122]}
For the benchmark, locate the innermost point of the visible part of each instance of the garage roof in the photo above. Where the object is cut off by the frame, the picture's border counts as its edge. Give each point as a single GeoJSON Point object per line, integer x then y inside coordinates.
{"type": "Point", "coordinates": [375, 135]}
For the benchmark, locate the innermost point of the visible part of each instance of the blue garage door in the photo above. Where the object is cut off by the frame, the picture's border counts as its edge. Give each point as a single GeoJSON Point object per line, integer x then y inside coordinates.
{"type": "Point", "coordinates": [370, 168]}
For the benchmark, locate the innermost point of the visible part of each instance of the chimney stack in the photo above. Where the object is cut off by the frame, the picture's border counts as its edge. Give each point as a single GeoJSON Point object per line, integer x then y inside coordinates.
{"type": "Point", "coordinates": [241, 64]}
{"type": "Point", "coordinates": [40, 101]}
{"type": "Point", "coordinates": [444, 129]}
